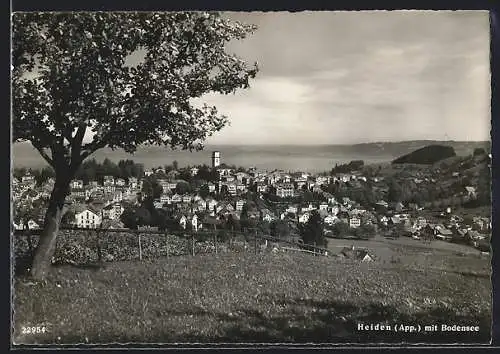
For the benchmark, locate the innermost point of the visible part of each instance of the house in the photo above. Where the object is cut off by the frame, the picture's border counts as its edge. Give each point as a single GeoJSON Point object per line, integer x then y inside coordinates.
{"type": "Point", "coordinates": [117, 195]}
{"type": "Point", "coordinates": [88, 218]}
{"type": "Point", "coordinates": [28, 178]}
{"type": "Point", "coordinates": [382, 205]}
{"type": "Point", "coordinates": [80, 192]}
{"type": "Point", "coordinates": [384, 220]}
{"type": "Point", "coordinates": [211, 187]}
{"type": "Point", "coordinates": [183, 222]}
{"type": "Point", "coordinates": [171, 185]}
{"type": "Point", "coordinates": [354, 222]}
{"type": "Point", "coordinates": [109, 181]}
{"type": "Point", "coordinates": [176, 198]}
{"type": "Point", "coordinates": [323, 206]}
{"type": "Point", "coordinates": [211, 204]}
{"type": "Point", "coordinates": [292, 209]}
{"type": "Point", "coordinates": [267, 215]}
{"type": "Point", "coordinates": [334, 209]}
{"type": "Point", "coordinates": [30, 225]}
{"type": "Point", "coordinates": [132, 182]}
{"type": "Point", "coordinates": [421, 221]}
{"type": "Point", "coordinates": [77, 184]}
{"type": "Point", "coordinates": [303, 218]}
{"type": "Point", "coordinates": [329, 198]}
{"type": "Point", "coordinates": [225, 208]}
{"type": "Point", "coordinates": [187, 198]}
{"type": "Point", "coordinates": [201, 205]}
{"type": "Point", "coordinates": [284, 190]}
{"type": "Point", "coordinates": [239, 204]}
{"type": "Point", "coordinates": [120, 182]}
{"type": "Point", "coordinates": [231, 188]}
{"type": "Point", "coordinates": [224, 172]}
{"type": "Point", "coordinates": [194, 171]}
{"type": "Point", "coordinates": [261, 188]}
{"type": "Point", "coordinates": [330, 219]}
{"type": "Point", "coordinates": [300, 181]}
{"type": "Point", "coordinates": [195, 224]}
{"type": "Point", "coordinates": [112, 211]}
{"type": "Point", "coordinates": [241, 188]}
{"type": "Point", "coordinates": [165, 198]}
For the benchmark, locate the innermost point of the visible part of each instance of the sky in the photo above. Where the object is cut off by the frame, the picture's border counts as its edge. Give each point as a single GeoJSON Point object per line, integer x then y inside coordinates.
{"type": "Point", "coordinates": [351, 77]}
{"type": "Point", "coordinates": [360, 76]}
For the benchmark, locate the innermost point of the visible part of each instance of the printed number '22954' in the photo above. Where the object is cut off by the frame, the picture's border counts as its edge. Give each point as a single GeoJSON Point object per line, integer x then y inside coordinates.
{"type": "Point", "coordinates": [33, 330]}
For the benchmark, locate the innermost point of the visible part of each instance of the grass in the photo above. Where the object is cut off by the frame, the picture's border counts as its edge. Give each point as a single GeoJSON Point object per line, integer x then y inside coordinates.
{"type": "Point", "coordinates": [232, 297]}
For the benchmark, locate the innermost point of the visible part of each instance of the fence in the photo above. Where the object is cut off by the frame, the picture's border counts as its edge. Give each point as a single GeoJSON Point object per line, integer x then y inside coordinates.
{"type": "Point", "coordinates": [85, 245]}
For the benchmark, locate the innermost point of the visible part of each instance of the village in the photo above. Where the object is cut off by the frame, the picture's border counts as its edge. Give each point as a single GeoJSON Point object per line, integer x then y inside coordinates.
{"type": "Point", "coordinates": [262, 197]}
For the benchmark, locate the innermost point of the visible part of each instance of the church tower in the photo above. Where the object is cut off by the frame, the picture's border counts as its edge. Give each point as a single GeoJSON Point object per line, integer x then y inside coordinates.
{"type": "Point", "coordinates": [215, 159]}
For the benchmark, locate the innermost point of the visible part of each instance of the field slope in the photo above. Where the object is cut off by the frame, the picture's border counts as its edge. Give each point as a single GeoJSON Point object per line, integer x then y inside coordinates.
{"type": "Point", "coordinates": [244, 297]}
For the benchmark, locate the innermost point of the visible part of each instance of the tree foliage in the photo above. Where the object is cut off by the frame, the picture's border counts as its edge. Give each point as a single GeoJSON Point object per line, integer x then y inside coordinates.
{"type": "Point", "coordinates": [71, 76]}
{"type": "Point", "coordinates": [126, 78]}
{"type": "Point", "coordinates": [312, 232]}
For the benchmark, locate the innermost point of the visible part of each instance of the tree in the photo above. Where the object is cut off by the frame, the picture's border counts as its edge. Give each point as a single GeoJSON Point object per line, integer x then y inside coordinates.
{"type": "Point", "coordinates": [175, 165]}
{"type": "Point", "coordinates": [68, 218]}
{"type": "Point", "coordinates": [279, 229]}
{"type": "Point", "coordinates": [128, 218]}
{"type": "Point", "coordinates": [70, 77]}
{"type": "Point", "coordinates": [312, 232]}
{"type": "Point", "coordinates": [479, 152]}
{"type": "Point", "coordinates": [204, 191]}
{"type": "Point", "coordinates": [182, 188]}
{"type": "Point", "coordinates": [395, 193]}
{"type": "Point", "coordinates": [340, 229]}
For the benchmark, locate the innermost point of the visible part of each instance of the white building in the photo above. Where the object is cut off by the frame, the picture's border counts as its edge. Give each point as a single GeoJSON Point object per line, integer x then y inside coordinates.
{"type": "Point", "coordinates": [304, 218]}
{"type": "Point", "coordinates": [88, 219]}
{"type": "Point", "coordinates": [354, 222]}
{"type": "Point", "coordinates": [329, 219]}
{"type": "Point", "coordinates": [239, 204]}
{"type": "Point", "coordinates": [284, 190]}
{"type": "Point", "coordinates": [77, 184]}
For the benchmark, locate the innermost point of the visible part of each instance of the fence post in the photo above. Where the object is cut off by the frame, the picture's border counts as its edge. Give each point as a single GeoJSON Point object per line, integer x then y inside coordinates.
{"type": "Point", "coordinates": [166, 241]}
{"type": "Point", "coordinates": [140, 247]}
{"type": "Point", "coordinates": [215, 242]}
{"type": "Point", "coordinates": [99, 252]}
{"type": "Point", "coordinates": [193, 242]}
{"type": "Point", "coordinates": [255, 241]}
{"type": "Point", "coordinates": [30, 241]}
{"type": "Point", "coordinates": [314, 248]}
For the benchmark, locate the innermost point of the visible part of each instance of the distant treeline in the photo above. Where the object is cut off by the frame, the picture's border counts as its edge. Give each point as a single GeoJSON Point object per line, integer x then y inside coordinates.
{"type": "Point", "coordinates": [90, 170]}
{"type": "Point", "coordinates": [354, 165]}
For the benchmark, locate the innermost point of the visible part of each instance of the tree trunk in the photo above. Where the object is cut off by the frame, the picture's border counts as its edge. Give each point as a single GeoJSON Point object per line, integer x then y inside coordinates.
{"type": "Point", "coordinates": [47, 242]}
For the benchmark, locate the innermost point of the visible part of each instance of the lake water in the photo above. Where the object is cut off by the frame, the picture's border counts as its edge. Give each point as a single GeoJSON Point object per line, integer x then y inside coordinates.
{"type": "Point", "coordinates": [317, 158]}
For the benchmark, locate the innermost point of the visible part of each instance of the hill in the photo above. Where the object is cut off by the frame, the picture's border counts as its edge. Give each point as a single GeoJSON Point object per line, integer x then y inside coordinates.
{"type": "Point", "coordinates": [427, 155]}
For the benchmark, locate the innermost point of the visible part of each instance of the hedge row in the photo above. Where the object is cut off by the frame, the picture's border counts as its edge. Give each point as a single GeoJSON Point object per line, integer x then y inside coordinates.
{"type": "Point", "coordinates": [78, 247]}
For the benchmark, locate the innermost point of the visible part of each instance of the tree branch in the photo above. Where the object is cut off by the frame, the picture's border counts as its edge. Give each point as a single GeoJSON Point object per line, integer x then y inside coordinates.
{"type": "Point", "coordinates": [46, 157]}
{"type": "Point", "coordinates": [76, 146]}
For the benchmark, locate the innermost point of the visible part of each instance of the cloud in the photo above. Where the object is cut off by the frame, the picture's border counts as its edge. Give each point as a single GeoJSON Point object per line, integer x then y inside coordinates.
{"type": "Point", "coordinates": [350, 77]}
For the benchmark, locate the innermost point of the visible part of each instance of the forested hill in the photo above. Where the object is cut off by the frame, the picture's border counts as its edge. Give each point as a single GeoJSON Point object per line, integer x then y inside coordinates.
{"type": "Point", "coordinates": [427, 155]}
{"type": "Point", "coordinates": [462, 148]}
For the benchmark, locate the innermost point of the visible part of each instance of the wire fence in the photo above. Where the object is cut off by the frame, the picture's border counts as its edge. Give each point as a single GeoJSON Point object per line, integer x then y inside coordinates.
{"type": "Point", "coordinates": [96, 245]}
